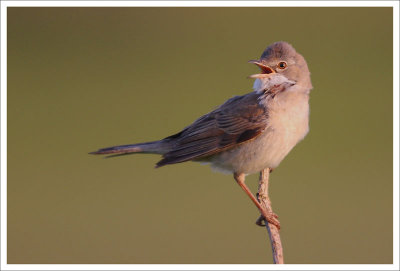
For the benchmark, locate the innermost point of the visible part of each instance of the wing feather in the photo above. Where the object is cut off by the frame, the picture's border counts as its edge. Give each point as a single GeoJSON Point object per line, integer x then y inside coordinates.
{"type": "Point", "coordinates": [238, 120]}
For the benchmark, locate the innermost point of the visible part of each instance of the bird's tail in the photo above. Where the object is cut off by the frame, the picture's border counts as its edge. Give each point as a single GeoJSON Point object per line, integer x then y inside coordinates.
{"type": "Point", "coordinates": [155, 147]}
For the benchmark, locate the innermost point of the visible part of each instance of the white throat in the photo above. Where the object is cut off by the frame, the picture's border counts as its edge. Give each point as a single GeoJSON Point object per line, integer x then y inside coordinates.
{"type": "Point", "coordinates": [260, 84]}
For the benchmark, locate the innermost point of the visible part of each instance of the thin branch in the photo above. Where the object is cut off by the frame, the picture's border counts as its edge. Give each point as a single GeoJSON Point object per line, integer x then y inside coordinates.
{"type": "Point", "coordinates": [273, 232]}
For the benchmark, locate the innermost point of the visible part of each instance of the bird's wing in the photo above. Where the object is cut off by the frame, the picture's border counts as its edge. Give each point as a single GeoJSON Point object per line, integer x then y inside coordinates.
{"type": "Point", "coordinates": [238, 120]}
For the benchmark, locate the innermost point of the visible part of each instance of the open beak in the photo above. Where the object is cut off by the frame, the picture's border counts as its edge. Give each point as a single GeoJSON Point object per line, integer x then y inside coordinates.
{"type": "Point", "coordinates": [265, 70]}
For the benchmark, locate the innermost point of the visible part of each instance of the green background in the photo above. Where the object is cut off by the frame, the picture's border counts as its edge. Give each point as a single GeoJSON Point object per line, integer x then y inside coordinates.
{"type": "Point", "coordinates": [84, 78]}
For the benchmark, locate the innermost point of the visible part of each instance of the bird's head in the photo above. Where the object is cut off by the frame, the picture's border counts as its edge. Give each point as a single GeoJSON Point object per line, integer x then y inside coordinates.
{"type": "Point", "coordinates": [281, 58]}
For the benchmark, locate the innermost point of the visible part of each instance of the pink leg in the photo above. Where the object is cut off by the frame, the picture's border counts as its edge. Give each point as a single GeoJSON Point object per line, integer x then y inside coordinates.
{"type": "Point", "coordinates": [269, 216]}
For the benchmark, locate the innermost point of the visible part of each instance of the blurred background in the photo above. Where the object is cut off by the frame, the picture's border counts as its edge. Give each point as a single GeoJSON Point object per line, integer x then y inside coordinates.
{"type": "Point", "coordinates": [84, 78]}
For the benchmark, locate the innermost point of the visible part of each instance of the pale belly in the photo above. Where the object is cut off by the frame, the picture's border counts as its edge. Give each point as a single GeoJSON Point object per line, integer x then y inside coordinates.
{"type": "Point", "coordinates": [267, 150]}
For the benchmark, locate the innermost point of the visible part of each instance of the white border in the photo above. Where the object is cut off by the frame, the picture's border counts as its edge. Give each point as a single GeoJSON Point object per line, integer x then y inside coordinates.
{"type": "Point", "coordinates": [396, 89]}
{"type": "Point", "coordinates": [3, 149]}
{"type": "Point", "coordinates": [5, 4]}
{"type": "Point", "coordinates": [200, 3]}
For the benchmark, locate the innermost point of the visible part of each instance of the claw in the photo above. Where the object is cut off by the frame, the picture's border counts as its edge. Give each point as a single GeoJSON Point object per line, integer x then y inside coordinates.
{"type": "Point", "coordinates": [272, 218]}
{"type": "Point", "coordinates": [260, 221]}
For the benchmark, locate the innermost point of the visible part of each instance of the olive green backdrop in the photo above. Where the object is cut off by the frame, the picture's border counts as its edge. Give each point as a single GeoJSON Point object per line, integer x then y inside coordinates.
{"type": "Point", "coordinates": [84, 78]}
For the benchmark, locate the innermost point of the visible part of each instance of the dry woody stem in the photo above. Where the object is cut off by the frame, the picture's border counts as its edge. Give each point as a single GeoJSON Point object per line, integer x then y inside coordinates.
{"type": "Point", "coordinates": [273, 232]}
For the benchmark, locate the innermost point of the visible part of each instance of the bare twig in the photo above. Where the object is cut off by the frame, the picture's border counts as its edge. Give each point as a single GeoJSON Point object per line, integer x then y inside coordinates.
{"type": "Point", "coordinates": [273, 232]}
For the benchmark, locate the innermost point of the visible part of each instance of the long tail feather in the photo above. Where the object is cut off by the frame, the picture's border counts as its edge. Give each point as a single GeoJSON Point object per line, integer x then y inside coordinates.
{"type": "Point", "coordinates": [156, 147]}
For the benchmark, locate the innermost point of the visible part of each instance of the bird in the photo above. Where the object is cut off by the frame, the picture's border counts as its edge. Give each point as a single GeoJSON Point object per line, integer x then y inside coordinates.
{"type": "Point", "coordinates": [248, 133]}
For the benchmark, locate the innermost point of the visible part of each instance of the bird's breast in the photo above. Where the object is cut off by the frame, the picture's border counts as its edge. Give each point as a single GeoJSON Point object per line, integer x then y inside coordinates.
{"type": "Point", "coordinates": [287, 125]}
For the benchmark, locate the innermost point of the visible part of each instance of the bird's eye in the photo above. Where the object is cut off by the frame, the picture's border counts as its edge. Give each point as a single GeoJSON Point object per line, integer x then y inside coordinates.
{"type": "Point", "coordinates": [282, 65]}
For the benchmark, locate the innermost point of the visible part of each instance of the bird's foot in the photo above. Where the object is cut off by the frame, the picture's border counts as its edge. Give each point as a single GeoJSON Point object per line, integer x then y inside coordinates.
{"type": "Point", "coordinates": [271, 217]}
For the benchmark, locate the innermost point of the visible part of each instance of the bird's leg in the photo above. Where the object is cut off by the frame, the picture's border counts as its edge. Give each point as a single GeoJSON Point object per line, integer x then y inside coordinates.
{"type": "Point", "coordinates": [263, 196]}
{"type": "Point", "coordinates": [266, 214]}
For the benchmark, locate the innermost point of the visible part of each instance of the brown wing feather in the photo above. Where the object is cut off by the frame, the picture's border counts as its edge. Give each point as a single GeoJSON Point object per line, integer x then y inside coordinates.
{"type": "Point", "coordinates": [238, 120]}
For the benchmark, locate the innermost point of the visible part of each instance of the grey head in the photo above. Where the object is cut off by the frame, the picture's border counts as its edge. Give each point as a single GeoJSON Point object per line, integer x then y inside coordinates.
{"type": "Point", "coordinates": [281, 58]}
